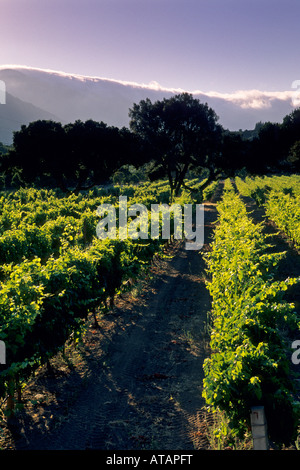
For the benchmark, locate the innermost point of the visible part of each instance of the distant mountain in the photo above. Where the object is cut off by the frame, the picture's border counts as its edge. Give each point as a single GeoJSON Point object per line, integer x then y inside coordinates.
{"type": "Point", "coordinates": [17, 112]}
{"type": "Point", "coordinates": [33, 94]}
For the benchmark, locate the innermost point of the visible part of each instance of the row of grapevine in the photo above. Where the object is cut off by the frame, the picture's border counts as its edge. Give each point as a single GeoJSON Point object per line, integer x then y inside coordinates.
{"type": "Point", "coordinates": [250, 362]}
{"type": "Point", "coordinates": [280, 196]}
{"type": "Point", "coordinates": [259, 187]}
{"type": "Point", "coordinates": [55, 271]}
{"type": "Point", "coordinates": [42, 304]}
{"type": "Point", "coordinates": [284, 210]}
{"type": "Point", "coordinates": [40, 223]}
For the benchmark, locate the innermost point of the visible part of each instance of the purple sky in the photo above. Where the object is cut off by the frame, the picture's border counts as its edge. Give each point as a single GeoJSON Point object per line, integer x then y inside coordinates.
{"type": "Point", "coordinates": [207, 45]}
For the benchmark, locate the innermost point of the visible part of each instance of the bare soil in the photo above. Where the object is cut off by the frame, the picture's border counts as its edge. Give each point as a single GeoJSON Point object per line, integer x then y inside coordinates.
{"type": "Point", "coordinates": [136, 381]}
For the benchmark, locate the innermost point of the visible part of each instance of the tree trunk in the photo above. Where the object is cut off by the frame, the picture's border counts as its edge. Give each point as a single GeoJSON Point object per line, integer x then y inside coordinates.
{"type": "Point", "coordinates": [180, 175]}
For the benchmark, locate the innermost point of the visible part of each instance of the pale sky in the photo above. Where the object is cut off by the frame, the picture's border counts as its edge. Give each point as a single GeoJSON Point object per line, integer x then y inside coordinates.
{"type": "Point", "coordinates": [206, 45]}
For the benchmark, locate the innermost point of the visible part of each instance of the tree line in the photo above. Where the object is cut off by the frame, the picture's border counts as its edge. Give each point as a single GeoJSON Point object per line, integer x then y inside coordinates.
{"type": "Point", "coordinates": [168, 138]}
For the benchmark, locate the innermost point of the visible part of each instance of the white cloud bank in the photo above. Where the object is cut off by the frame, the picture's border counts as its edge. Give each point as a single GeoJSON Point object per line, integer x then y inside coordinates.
{"type": "Point", "coordinates": [66, 97]}
{"type": "Point", "coordinates": [256, 99]}
{"type": "Point", "coordinates": [245, 99]}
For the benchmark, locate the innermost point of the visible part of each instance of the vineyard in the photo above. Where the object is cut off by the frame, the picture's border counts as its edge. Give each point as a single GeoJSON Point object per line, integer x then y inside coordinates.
{"type": "Point", "coordinates": [55, 272]}
{"type": "Point", "coordinates": [252, 324]}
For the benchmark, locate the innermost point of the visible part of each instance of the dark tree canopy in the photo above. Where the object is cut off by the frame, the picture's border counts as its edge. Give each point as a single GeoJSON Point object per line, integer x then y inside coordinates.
{"type": "Point", "coordinates": [234, 153]}
{"type": "Point", "coordinates": [75, 156]}
{"type": "Point", "coordinates": [168, 137]}
{"type": "Point", "coordinates": [178, 133]}
{"type": "Point", "coordinates": [38, 149]}
{"type": "Point", "coordinates": [294, 156]}
{"type": "Point", "coordinates": [270, 150]}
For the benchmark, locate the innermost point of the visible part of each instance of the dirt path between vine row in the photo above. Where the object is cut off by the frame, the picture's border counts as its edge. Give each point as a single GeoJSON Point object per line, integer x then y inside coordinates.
{"type": "Point", "coordinates": [136, 382]}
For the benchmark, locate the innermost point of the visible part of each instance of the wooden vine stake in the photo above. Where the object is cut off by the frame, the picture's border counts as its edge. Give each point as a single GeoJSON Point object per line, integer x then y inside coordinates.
{"type": "Point", "coordinates": [259, 428]}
